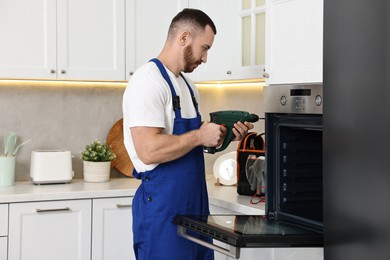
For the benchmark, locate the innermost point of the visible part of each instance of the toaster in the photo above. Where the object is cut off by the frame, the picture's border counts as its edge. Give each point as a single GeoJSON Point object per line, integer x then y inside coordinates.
{"type": "Point", "coordinates": [51, 166]}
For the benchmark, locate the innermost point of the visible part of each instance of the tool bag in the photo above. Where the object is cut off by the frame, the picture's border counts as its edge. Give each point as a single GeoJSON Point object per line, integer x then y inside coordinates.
{"type": "Point", "coordinates": [251, 146]}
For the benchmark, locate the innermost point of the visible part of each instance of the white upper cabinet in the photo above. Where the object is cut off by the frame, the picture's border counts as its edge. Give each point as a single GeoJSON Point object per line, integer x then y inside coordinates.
{"type": "Point", "coordinates": [64, 39]}
{"type": "Point", "coordinates": [220, 58]}
{"type": "Point", "coordinates": [294, 41]}
{"type": "Point", "coordinates": [91, 39]}
{"type": "Point", "coordinates": [28, 41]}
{"type": "Point", "coordinates": [147, 23]}
{"type": "Point", "coordinates": [239, 46]}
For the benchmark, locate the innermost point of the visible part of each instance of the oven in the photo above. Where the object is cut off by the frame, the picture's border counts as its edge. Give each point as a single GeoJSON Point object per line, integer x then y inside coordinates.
{"type": "Point", "coordinates": [294, 154]}
{"type": "Point", "coordinates": [293, 163]}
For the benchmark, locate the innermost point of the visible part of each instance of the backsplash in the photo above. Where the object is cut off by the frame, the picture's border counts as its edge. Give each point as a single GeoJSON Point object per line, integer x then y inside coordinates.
{"type": "Point", "coordinates": [68, 116]}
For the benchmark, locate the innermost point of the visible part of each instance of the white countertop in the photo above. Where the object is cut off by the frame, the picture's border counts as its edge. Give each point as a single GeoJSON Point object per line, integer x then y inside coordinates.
{"type": "Point", "coordinates": [26, 191]}
{"type": "Point", "coordinates": [76, 189]}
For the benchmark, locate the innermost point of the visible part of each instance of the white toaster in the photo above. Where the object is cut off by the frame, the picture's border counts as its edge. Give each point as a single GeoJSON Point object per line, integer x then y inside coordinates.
{"type": "Point", "coordinates": [51, 166]}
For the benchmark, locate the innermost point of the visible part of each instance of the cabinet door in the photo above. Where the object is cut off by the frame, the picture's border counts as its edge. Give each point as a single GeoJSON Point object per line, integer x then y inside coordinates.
{"type": "Point", "coordinates": [251, 48]}
{"type": "Point", "coordinates": [294, 41]}
{"type": "Point", "coordinates": [112, 236]}
{"type": "Point", "coordinates": [58, 230]}
{"type": "Point", "coordinates": [91, 39]}
{"type": "Point", "coordinates": [3, 248]}
{"type": "Point", "coordinates": [147, 23]}
{"type": "Point", "coordinates": [220, 59]}
{"type": "Point", "coordinates": [3, 220]}
{"type": "Point", "coordinates": [299, 253]}
{"type": "Point", "coordinates": [28, 42]}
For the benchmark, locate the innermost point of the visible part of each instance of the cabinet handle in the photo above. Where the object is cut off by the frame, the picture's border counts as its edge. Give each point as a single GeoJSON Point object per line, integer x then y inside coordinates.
{"type": "Point", "coordinates": [131, 73]}
{"type": "Point", "coordinates": [52, 210]}
{"type": "Point", "coordinates": [265, 75]}
{"type": "Point", "coordinates": [229, 72]}
{"type": "Point", "coordinates": [123, 206]}
{"type": "Point", "coordinates": [63, 71]}
{"type": "Point", "coordinates": [52, 71]}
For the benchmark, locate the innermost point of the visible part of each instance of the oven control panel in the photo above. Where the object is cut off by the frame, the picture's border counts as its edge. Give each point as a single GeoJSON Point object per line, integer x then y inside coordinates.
{"type": "Point", "coordinates": [295, 98]}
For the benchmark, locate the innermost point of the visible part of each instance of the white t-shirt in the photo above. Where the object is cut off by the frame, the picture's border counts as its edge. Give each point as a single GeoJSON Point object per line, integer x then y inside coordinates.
{"type": "Point", "coordinates": [147, 101]}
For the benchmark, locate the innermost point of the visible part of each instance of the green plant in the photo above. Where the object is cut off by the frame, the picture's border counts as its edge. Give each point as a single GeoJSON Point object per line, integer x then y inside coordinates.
{"type": "Point", "coordinates": [98, 152]}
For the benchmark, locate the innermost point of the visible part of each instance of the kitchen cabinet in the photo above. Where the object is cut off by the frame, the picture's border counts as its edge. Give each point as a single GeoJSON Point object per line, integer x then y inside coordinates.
{"type": "Point", "coordinates": [3, 231]}
{"type": "Point", "coordinates": [144, 39]}
{"type": "Point", "coordinates": [3, 248]}
{"type": "Point", "coordinates": [50, 230]}
{"type": "Point", "coordinates": [221, 57]}
{"type": "Point", "coordinates": [63, 39]}
{"type": "Point", "coordinates": [238, 49]}
{"type": "Point", "coordinates": [112, 229]}
{"type": "Point", "coordinates": [294, 41]}
{"type": "Point", "coordinates": [147, 29]}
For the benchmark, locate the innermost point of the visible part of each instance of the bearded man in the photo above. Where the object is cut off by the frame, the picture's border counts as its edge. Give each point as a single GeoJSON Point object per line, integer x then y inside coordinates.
{"type": "Point", "coordinates": [164, 136]}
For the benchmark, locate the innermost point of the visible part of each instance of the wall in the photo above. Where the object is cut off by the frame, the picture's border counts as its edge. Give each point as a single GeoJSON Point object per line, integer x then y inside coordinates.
{"type": "Point", "coordinates": [68, 116]}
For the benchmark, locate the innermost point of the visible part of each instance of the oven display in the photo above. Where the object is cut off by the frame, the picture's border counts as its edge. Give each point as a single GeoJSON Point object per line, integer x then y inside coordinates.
{"type": "Point", "coordinates": [300, 92]}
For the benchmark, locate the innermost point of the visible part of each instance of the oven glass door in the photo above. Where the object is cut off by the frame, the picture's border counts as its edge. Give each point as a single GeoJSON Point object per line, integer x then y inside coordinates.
{"type": "Point", "coordinates": [251, 231]}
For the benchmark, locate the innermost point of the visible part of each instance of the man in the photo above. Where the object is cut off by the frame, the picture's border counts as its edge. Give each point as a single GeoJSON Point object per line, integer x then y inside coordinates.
{"type": "Point", "coordinates": [164, 136]}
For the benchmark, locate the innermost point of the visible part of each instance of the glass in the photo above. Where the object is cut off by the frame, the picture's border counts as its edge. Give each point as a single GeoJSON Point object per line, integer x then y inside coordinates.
{"type": "Point", "coordinates": [246, 4]}
{"type": "Point", "coordinates": [260, 39]}
{"type": "Point", "coordinates": [246, 41]}
{"type": "Point", "coordinates": [260, 2]}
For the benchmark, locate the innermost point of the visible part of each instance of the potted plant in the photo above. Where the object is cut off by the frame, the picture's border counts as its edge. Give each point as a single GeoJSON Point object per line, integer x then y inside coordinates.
{"type": "Point", "coordinates": [97, 159]}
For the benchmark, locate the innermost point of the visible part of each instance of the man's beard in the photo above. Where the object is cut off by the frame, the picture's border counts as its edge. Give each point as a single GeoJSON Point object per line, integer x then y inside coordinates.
{"type": "Point", "coordinates": [189, 61]}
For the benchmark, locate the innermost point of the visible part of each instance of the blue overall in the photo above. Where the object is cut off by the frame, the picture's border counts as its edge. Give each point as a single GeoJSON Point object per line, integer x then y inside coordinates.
{"type": "Point", "coordinates": [176, 187]}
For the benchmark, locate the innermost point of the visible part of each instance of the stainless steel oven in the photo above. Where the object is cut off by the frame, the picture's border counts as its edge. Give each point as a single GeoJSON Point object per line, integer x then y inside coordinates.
{"type": "Point", "coordinates": [294, 154]}
{"type": "Point", "coordinates": [294, 215]}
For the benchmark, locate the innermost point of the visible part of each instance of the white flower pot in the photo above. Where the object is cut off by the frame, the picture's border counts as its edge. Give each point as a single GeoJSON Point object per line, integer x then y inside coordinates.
{"type": "Point", "coordinates": [96, 171]}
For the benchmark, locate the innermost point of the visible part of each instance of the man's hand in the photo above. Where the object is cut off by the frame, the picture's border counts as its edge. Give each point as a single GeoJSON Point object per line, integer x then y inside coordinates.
{"type": "Point", "coordinates": [212, 135]}
{"type": "Point", "coordinates": [240, 130]}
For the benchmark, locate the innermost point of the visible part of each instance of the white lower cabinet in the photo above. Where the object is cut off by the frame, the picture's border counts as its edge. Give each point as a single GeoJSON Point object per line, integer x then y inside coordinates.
{"type": "Point", "coordinates": [112, 236]}
{"type": "Point", "coordinates": [3, 231]}
{"type": "Point", "coordinates": [50, 230]}
{"type": "Point", "coordinates": [3, 248]}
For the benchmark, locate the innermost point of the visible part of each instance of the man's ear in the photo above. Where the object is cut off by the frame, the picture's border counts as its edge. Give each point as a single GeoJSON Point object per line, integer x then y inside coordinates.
{"type": "Point", "coordinates": [185, 38]}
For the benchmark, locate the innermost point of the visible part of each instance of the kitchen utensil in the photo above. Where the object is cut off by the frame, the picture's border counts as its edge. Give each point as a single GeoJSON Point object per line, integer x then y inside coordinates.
{"type": "Point", "coordinates": [17, 148]}
{"type": "Point", "coordinates": [122, 161]}
{"type": "Point", "coordinates": [9, 143]}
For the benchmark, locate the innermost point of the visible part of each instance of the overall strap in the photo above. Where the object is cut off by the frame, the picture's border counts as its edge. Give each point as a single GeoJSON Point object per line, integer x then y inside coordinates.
{"type": "Point", "coordinates": [175, 97]}
{"type": "Point", "coordinates": [192, 95]}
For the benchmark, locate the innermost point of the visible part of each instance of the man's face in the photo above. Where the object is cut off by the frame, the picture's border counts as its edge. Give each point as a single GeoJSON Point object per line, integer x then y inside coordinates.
{"type": "Point", "coordinates": [196, 52]}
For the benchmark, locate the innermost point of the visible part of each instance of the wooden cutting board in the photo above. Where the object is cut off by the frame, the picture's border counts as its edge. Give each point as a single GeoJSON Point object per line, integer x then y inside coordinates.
{"type": "Point", "coordinates": [122, 161]}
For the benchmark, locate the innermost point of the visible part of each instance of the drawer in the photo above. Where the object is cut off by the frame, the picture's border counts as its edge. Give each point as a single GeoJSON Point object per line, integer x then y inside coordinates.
{"type": "Point", "coordinates": [3, 220]}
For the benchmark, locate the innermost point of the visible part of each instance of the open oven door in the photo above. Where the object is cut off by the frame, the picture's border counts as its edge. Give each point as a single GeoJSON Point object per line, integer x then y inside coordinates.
{"type": "Point", "coordinates": [245, 231]}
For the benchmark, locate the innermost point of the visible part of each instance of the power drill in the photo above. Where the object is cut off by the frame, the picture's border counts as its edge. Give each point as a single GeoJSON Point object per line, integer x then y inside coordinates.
{"type": "Point", "coordinates": [228, 118]}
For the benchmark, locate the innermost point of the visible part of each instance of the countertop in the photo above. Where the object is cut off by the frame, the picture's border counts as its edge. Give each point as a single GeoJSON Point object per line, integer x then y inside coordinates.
{"type": "Point", "coordinates": [26, 191]}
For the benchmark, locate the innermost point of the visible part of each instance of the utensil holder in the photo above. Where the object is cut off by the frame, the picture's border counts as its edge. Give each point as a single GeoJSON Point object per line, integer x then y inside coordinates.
{"type": "Point", "coordinates": [7, 170]}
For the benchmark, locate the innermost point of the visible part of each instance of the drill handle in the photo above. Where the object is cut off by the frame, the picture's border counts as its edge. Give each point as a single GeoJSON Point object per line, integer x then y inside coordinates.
{"type": "Point", "coordinates": [210, 150]}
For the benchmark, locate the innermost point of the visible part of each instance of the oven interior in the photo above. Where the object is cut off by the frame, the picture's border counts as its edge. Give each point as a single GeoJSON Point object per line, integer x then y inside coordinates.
{"type": "Point", "coordinates": [294, 167]}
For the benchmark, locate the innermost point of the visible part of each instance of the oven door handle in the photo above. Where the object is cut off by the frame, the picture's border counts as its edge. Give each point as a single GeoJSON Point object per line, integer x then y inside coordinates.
{"type": "Point", "coordinates": [232, 251]}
